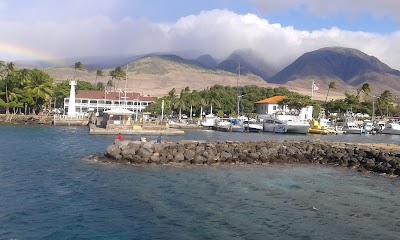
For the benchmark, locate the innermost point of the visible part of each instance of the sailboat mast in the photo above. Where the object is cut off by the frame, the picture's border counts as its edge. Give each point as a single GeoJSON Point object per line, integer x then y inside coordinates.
{"type": "Point", "coordinates": [237, 85]}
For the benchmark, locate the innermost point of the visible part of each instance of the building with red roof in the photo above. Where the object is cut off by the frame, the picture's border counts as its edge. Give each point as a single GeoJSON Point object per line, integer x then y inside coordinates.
{"type": "Point", "coordinates": [270, 106]}
{"type": "Point", "coordinates": [100, 101]}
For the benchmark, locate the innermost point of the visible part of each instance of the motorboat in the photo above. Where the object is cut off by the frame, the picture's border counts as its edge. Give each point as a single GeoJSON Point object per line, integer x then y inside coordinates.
{"type": "Point", "coordinates": [274, 125]}
{"type": "Point", "coordinates": [379, 126]}
{"type": "Point", "coordinates": [352, 128]}
{"type": "Point", "coordinates": [349, 125]}
{"type": "Point", "coordinates": [230, 125]}
{"type": "Point", "coordinates": [391, 127]}
{"type": "Point", "coordinates": [237, 128]}
{"type": "Point", "coordinates": [253, 126]}
{"type": "Point", "coordinates": [317, 128]}
{"type": "Point", "coordinates": [368, 126]}
{"type": "Point", "coordinates": [293, 123]}
{"type": "Point", "coordinates": [223, 126]}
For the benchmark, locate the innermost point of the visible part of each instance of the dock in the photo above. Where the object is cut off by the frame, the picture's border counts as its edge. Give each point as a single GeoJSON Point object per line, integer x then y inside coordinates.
{"type": "Point", "coordinates": [94, 130]}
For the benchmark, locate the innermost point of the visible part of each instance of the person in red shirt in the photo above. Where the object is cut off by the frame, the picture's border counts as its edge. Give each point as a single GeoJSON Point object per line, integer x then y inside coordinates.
{"type": "Point", "coordinates": [120, 136]}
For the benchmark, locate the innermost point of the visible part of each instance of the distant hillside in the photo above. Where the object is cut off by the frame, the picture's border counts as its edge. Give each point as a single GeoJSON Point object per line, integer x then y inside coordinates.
{"type": "Point", "coordinates": [344, 64]}
{"type": "Point", "coordinates": [207, 61]}
{"type": "Point", "coordinates": [348, 67]}
{"type": "Point", "coordinates": [156, 75]}
{"type": "Point", "coordinates": [250, 63]}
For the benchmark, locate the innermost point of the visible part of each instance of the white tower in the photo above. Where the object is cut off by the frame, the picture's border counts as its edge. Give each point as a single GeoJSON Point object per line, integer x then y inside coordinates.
{"type": "Point", "coordinates": [71, 106]}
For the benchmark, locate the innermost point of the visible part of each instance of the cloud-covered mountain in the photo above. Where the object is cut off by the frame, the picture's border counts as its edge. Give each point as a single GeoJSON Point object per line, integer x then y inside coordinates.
{"type": "Point", "coordinates": [250, 62]}
{"type": "Point", "coordinates": [347, 65]}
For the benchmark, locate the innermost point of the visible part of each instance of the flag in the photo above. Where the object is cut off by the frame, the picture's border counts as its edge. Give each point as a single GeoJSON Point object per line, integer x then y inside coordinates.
{"type": "Point", "coordinates": [315, 87]}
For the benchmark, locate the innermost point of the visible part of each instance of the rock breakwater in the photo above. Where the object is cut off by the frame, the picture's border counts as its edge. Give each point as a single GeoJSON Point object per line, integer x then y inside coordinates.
{"type": "Point", "coordinates": [361, 157]}
{"type": "Point", "coordinates": [25, 119]}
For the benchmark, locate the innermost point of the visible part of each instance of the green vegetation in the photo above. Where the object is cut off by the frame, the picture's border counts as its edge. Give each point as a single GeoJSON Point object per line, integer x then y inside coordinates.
{"type": "Point", "coordinates": [116, 74]}
{"type": "Point", "coordinates": [222, 100]}
{"type": "Point", "coordinates": [30, 91]}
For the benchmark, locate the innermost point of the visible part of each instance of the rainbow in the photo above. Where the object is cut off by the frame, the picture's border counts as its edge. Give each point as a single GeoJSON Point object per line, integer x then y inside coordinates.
{"type": "Point", "coordinates": [22, 53]}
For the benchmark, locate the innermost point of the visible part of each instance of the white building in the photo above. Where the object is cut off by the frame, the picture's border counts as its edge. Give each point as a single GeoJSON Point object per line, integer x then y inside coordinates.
{"type": "Point", "coordinates": [270, 106]}
{"type": "Point", "coordinates": [100, 101]}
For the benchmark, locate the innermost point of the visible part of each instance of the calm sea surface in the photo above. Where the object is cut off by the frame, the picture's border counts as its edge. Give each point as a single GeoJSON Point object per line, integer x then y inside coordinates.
{"type": "Point", "coordinates": [49, 191]}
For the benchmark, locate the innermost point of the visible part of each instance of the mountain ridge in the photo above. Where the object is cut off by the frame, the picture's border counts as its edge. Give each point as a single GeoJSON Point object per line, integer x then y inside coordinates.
{"type": "Point", "coordinates": [348, 67]}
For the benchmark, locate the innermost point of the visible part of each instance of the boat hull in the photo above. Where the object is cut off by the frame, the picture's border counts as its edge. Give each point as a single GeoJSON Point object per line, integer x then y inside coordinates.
{"type": "Point", "coordinates": [300, 129]}
{"type": "Point", "coordinates": [391, 128]}
{"type": "Point", "coordinates": [275, 128]}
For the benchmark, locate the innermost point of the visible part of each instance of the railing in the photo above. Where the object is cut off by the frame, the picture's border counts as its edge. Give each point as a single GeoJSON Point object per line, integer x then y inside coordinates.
{"type": "Point", "coordinates": [59, 116]}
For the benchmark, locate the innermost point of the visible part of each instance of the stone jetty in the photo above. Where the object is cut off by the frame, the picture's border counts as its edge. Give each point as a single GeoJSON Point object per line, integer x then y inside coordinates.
{"type": "Point", "coordinates": [363, 157]}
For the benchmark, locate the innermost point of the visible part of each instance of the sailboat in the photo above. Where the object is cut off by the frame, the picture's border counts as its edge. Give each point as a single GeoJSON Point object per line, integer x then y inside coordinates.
{"type": "Point", "coordinates": [237, 124]}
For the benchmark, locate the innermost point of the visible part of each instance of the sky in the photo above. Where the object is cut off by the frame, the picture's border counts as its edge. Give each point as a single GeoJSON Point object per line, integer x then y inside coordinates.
{"type": "Point", "coordinates": [279, 31]}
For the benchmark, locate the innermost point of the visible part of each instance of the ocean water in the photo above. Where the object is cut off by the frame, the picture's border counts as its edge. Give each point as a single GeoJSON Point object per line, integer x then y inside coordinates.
{"type": "Point", "coordinates": [48, 190]}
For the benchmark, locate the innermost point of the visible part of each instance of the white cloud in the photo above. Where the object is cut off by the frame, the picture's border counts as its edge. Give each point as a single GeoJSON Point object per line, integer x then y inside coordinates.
{"type": "Point", "coordinates": [217, 32]}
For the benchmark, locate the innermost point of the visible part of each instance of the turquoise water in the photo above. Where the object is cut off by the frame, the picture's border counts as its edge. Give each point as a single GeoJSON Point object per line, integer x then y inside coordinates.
{"type": "Point", "coordinates": [49, 191]}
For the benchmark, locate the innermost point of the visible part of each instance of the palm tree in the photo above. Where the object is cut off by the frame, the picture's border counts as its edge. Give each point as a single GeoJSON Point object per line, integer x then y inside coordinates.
{"type": "Point", "coordinates": [193, 98]}
{"type": "Point", "coordinates": [213, 101]}
{"type": "Point", "coordinates": [384, 101]}
{"type": "Point", "coordinates": [99, 73]}
{"type": "Point", "coordinates": [202, 103]}
{"type": "Point", "coordinates": [117, 73]}
{"type": "Point", "coordinates": [331, 85]}
{"type": "Point", "coordinates": [365, 88]}
{"type": "Point", "coordinates": [172, 97]}
{"type": "Point", "coordinates": [6, 70]}
{"type": "Point", "coordinates": [181, 104]}
{"type": "Point", "coordinates": [40, 87]}
{"type": "Point", "coordinates": [79, 66]}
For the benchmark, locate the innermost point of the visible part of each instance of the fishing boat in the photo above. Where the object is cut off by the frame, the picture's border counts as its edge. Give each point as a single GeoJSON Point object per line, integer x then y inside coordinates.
{"type": "Point", "coordinates": [349, 125]}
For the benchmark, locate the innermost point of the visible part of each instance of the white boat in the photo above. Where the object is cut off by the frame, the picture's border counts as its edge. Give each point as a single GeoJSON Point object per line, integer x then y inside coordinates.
{"type": "Point", "coordinates": [352, 128]}
{"type": "Point", "coordinates": [274, 125]}
{"type": "Point", "coordinates": [379, 126]}
{"type": "Point", "coordinates": [295, 124]}
{"type": "Point", "coordinates": [253, 126]}
{"type": "Point", "coordinates": [368, 126]}
{"type": "Point", "coordinates": [281, 122]}
{"type": "Point", "coordinates": [391, 127]}
{"type": "Point", "coordinates": [349, 125]}
{"type": "Point", "coordinates": [237, 128]}
{"type": "Point", "coordinates": [224, 126]}
{"type": "Point", "coordinates": [209, 121]}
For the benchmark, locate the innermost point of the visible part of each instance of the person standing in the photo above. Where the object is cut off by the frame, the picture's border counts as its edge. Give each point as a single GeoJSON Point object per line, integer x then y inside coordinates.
{"type": "Point", "coordinates": [159, 138]}
{"type": "Point", "coordinates": [120, 136]}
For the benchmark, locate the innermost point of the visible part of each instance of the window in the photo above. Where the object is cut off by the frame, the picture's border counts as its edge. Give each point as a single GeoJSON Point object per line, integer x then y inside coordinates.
{"type": "Point", "coordinates": [85, 101]}
{"type": "Point", "coordinates": [274, 108]}
{"type": "Point", "coordinates": [93, 101]}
